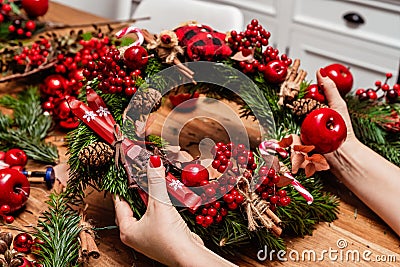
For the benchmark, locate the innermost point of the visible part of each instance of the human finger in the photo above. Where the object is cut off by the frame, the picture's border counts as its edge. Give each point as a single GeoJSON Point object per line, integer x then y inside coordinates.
{"type": "Point", "coordinates": [156, 180]}
{"type": "Point", "coordinates": [123, 211]}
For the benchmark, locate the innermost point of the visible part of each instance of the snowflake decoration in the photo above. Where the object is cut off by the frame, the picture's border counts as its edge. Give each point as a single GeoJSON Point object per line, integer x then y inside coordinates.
{"type": "Point", "coordinates": [89, 115]}
{"type": "Point", "coordinates": [176, 184]}
{"type": "Point", "coordinates": [103, 112]}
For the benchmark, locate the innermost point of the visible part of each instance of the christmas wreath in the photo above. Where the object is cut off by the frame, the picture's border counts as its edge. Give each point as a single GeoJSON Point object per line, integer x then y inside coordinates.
{"type": "Point", "coordinates": [248, 191]}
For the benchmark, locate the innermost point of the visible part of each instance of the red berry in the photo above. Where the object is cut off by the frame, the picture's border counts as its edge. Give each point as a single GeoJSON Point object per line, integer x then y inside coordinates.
{"type": "Point", "coordinates": [30, 25]}
{"type": "Point", "coordinates": [222, 168]}
{"type": "Point", "coordinates": [372, 94]}
{"type": "Point", "coordinates": [263, 171]}
{"type": "Point", "coordinates": [4, 209]}
{"type": "Point", "coordinates": [217, 205]}
{"type": "Point", "coordinates": [212, 212]}
{"type": "Point", "coordinates": [275, 179]}
{"type": "Point", "coordinates": [232, 206]}
{"type": "Point", "coordinates": [210, 192]}
{"type": "Point", "coordinates": [239, 199]}
{"type": "Point", "coordinates": [385, 87]}
{"type": "Point", "coordinates": [232, 180]}
{"type": "Point", "coordinates": [284, 201]}
{"type": "Point", "coordinates": [282, 193]}
{"type": "Point", "coordinates": [271, 173]}
{"type": "Point", "coordinates": [360, 91]}
{"type": "Point", "coordinates": [199, 219]}
{"type": "Point", "coordinates": [264, 195]}
{"type": "Point", "coordinates": [204, 211]}
{"type": "Point", "coordinates": [208, 220]}
{"type": "Point", "coordinates": [274, 199]}
{"type": "Point", "coordinates": [223, 212]}
{"type": "Point", "coordinates": [9, 219]}
{"type": "Point", "coordinates": [389, 75]}
{"type": "Point", "coordinates": [228, 198]}
{"type": "Point", "coordinates": [218, 218]}
{"type": "Point", "coordinates": [378, 83]}
{"type": "Point", "coordinates": [11, 28]}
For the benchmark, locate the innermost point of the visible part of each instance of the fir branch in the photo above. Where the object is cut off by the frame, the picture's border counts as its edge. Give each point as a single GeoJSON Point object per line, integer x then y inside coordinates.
{"type": "Point", "coordinates": [367, 119]}
{"type": "Point", "coordinates": [29, 126]}
{"type": "Point", "coordinates": [59, 228]}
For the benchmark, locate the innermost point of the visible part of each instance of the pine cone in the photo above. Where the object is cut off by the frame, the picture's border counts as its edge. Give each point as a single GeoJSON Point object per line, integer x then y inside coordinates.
{"type": "Point", "coordinates": [6, 237]}
{"type": "Point", "coordinates": [304, 106]}
{"type": "Point", "coordinates": [145, 101]}
{"type": "Point", "coordinates": [96, 154]}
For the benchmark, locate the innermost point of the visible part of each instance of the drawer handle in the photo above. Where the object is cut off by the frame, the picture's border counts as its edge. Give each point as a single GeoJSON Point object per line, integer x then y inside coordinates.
{"type": "Point", "coordinates": [353, 18]}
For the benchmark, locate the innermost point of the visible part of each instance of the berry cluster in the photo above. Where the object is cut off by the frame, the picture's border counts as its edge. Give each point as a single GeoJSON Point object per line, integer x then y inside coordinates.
{"type": "Point", "coordinates": [112, 74]}
{"type": "Point", "coordinates": [254, 36]}
{"type": "Point", "coordinates": [267, 188]}
{"type": "Point", "coordinates": [36, 55]}
{"type": "Point", "coordinates": [22, 28]}
{"type": "Point", "coordinates": [91, 50]}
{"type": "Point", "coordinates": [391, 94]}
{"type": "Point", "coordinates": [225, 152]}
{"type": "Point", "coordinates": [4, 210]}
{"type": "Point", "coordinates": [271, 54]}
{"type": "Point", "coordinates": [215, 211]}
{"type": "Point", "coordinates": [212, 213]}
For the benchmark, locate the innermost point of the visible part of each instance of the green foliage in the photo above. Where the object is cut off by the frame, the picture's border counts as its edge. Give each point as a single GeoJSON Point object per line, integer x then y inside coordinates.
{"type": "Point", "coordinates": [367, 119]}
{"type": "Point", "coordinates": [59, 228]}
{"type": "Point", "coordinates": [28, 126]}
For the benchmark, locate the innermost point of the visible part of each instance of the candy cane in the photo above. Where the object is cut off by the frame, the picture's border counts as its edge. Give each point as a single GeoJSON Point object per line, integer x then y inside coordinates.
{"type": "Point", "coordinates": [272, 145]}
{"type": "Point", "coordinates": [303, 192]}
{"type": "Point", "coordinates": [131, 29]}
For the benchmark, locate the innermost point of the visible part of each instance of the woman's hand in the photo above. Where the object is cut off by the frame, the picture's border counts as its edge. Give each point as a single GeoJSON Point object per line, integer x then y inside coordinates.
{"type": "Point", "coordinates": [161, 233]}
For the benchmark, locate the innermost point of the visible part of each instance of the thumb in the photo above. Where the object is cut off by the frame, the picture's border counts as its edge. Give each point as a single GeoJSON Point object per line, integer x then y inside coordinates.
{"type": "Point", "coordinates": [335, 101]}
{"type": "Point", "coordinates": [156, 180]}
{"type": "Point", "coordinates": [123, 212]}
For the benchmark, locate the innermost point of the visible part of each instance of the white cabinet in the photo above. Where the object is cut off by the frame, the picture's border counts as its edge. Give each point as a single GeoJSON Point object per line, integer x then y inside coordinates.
{"type": "Point", "coordinates": [316, 32]}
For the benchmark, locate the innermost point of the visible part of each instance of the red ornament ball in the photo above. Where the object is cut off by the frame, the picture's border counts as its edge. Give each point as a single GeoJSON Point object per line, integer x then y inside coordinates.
{"type": "Point", "coordinates": [23, 242]}
{"type": "Point", "coordinates": [193, 174]}
{"type": "Point", "coordinates": [54, 85]}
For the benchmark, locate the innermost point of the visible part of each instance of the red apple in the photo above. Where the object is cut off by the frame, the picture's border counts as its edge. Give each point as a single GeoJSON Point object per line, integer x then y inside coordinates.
{"type": "Point", "coordinates": [342, 77]}
{"type": "Point", "coordinates": [193, 174]}
{"type": "Point", "coordinates": [15, 157]}
{"type": "Point", "coordinates": [325, 129]}
{"type": "Point", "coordinates": [275, 71]}
{"type": "Point", "coordinates": [181, 100]}
{"type": "Point", "coordinates": [313, 92]}
{"type": "Point", "coordinates": [14, 188]}
{"type": "Point", "coordinates": [35, 8]}
{"type": "Point", "coordinates": [136, 57]}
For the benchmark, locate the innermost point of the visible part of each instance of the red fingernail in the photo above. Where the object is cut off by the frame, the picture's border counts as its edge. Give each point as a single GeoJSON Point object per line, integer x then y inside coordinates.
{"type": "Point", "coordinates": [322, 72]}
{"type": "Point", "coordinates": [155, 161]}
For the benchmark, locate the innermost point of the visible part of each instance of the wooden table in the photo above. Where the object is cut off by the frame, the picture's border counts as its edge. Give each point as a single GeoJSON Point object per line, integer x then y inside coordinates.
{"type": "Point", "coordinates": [357, 225]}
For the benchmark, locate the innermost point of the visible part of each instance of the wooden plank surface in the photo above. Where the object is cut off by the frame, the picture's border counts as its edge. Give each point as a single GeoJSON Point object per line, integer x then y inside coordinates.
{"type": "Point", "coordinates": [358, 226]}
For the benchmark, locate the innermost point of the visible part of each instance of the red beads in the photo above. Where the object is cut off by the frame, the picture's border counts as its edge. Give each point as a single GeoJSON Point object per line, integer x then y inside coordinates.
{"type": "Point", "coordinates": [382, 90]}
